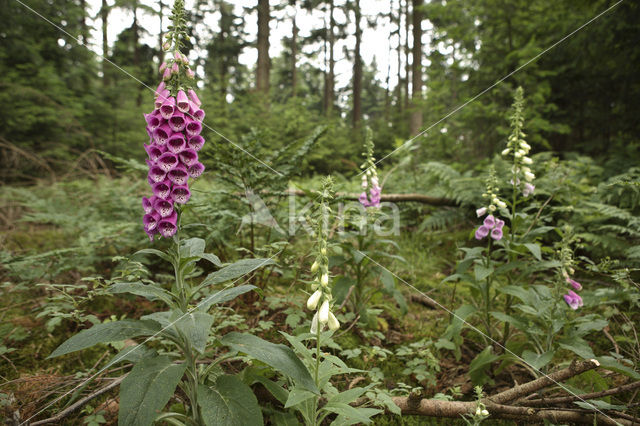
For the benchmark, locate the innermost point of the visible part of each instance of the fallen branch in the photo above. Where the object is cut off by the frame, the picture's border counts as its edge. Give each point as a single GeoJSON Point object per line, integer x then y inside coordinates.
{"type": "Point", "coordinates": [80, 403]}
{"type": "Point", "coordinates": [423, 300]}
{"type": "Point", "coordinates": [584, 396]}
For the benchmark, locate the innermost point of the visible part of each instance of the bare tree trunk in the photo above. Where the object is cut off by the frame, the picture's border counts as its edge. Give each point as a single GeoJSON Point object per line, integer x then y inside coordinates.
{"type": "Point", "coordinates": [415, 122]}
{"type": "Point", "coordinates": [332, 62]}
{"type": "Point", "coordinates": [325, 72]}
{"type": "Point", "coordinates": [406, 55]}
{"type": "Point", "coordinates": [262, 70]}
{"type": "Point", "coordinates": [387, 90]}
{"type": "Point", "coordinates": [399, 51]}
{"type": "Point", "coordinates": [357, 70]}
{"type": "Point", "coordinates": [104, 16]}
{"type": "Point", "coordinates": [294, 54]}
{"type": "Point", "coordinates": [136, 47]}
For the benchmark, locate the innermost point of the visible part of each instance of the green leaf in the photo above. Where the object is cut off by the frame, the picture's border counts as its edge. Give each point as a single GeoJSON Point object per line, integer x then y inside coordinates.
{"type": "Point", "coordinates": [134, 354]}
{"type": "Point", "coordinates": [596, 404]}
{"type": "Point", "coordinates": [348, 396]}
{"type": "Point", "coordinates": [535, 250]}
{"type": "Point", "coordinates": [195, 327]}
{"type": "Point", "coordinates": [579, 347]}
{"type": "Point", "coordinates": [387, 279]}
{"type": "Point", "coordinates": [235, 270]}
{"type": "Point", "coordinates": [147, 389]}
{"type": "Point", "coordinates": [482, 272]}
{"type": "Point", "coordinates": [193, 247]}
{"type": "Point", "coordinates": [480, 364]}
{"type": "Point", "coordinates": [150, 292]}
{"type": "Point", "coordinates": [280, 357]}
{"type": "Point", "coordinates": [223, 296]}
{"type": "Point", "coordinates": [537, 361]}
{"type": "Point", "coordinates": [610, 363]}
{"type": "Point", "coordinates": [212, 258]}
{"type": "Point", "coordinates": [106, 332]}
{"type": "Point", "coordinates": [296, 396]}
{"type": "Point", "coordinates": [229, 403]}
{"type": "Point", "coordinates": [155, 252]}
{"type": "Point", "coordinates": [341, 286]}
{"type": "Point", "coordinates": [352, 415]}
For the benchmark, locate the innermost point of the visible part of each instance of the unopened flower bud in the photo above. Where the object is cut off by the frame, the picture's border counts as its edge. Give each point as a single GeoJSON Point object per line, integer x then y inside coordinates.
{"type": "Point", "coordinates": [527, 160]}
{"type": "Point", "coordinates": [333, 323]}
{"type": "Point", "coordinates": [485, 413]}
{"type": "Point", "coordinates": [529, 176]}
{"type": "Point", "coordinates": [478, 411]}
{"type": "Point", "coordinates": [506, 151]}
{"type": "Point", "coordinates": [501, 204]}
{"type": "Point", "coordinates": [492, 208]}
{"type": "Point", "coordinates": [481, 211]}
{"type": "Point", "coordinates": [323, 251]}
{"type": "Point", "coordinates": [324, 280]}
{"type": "Point", "coordinates": [313, 300]}
{"type": "Point", "coordinates": [163, 66]}
{"type": "Point", "coordinates": [190, 73]}
{"type": "Point", "coordinates": [174, 68]}
{"type": "Point", "coordinates": [314, 267]}
{"type": "Point", "coordinates": [323, 313]}
{"type": "Point", "coordinates": [167, 74]}
{"type": "Point", "coordinates": [166, 46]}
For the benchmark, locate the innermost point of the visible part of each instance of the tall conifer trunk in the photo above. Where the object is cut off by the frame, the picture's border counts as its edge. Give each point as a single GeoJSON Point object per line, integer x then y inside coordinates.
{"type": "Point", "coordinates": [262, 69]}
{"type": "Point", "coordinates": [415, 122]}
{"type": "Point", "coordinates": [357, 71]}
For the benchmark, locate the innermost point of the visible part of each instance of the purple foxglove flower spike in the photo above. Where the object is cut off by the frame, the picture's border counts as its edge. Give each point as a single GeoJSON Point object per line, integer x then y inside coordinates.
{"type": "Point", "coordinates": [489, 221]}
{"type": "Point", "coordinates": [182, 101]}
{"type": "Point", "coordinates": [162, 134]}
{"type": "Point", "coordinates": [575, 284]}
{"type": "Point", "coordinates": [163, 207]}
{"type": "Point", "coordinates": [188, 157]}
{"type": "Point", "coordinates": [196, 142]}
{"type": "Point", "coordinates": [156, 174]}
{"type": "Point", "coordinates": [194, 98]}
{"type": "Point", "coordinates": [179, 175]}
{"type": "Point", "coordinates": [196, 170]}
{"type": "Point", "coordinates": [167, 108]}
{"type": "Point", "coordinates": [364, 200]}
{"type": "Point", "coordinates": [154, 152]}
{"type": "Point", "coordinates": [482, 232]}
{"type": "Point", "coordinates": [162, 189]}
{"type": "Point", "coordinates": [496, 234]}
{"type": "Point", "coordinates": [176, 143]}
{"type": "Point", "coordinates": [167, 161]}
{"type": "Point", "coordinates": [180, 194]}
{"type": "Point", "coordinates": [177, 121]}
{"type": "Point", "coordinates": [150, 221]}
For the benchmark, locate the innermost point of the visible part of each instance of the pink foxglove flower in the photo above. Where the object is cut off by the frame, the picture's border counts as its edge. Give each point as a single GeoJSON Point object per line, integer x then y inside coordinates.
{"type": "Point", "coordinates": [573, 300]}
{"type": "Point", "coordinates": [496, 234]}
{"type": "Point", "coordinates": [575, 284]}
{"type": "Point", "coordinates": [482, 232]}
{"type": "Point", "coordinates": [528, 189]}
{"type": "Point", "coordinates": [174, 128]}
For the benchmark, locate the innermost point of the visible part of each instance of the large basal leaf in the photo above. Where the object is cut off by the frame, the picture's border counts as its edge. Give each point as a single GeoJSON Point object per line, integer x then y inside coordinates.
{"type": "Point", "coordinates": [223, 296]}
{"type": "Point", "coordinates": [229, 403]}
{"type": "Point", "coordinates": [236, 270]}
{"type": "Point", "coordinates": [150, 292]}
{"type": "Point", "coordinates": [106, 332]}
{"type": "Point", "coordinates": [280, 357]}
{"type": "Point", "coordinates": [195, 327]}
{"type": "Point", "coordinates": [193, 247]}
{"type": "Point", "coordinates": [147, 389]}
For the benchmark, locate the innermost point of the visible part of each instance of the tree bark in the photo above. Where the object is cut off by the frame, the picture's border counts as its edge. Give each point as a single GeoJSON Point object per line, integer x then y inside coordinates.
{"type": "Point", "coordinates": [331, 79]}
{"type": "Point", "coordinates": [357, 70]}
{"type": "Point", "coordinates": [399, 52]}
{"type": "Point", "coordinates": [136, 47]}
{"type": "Point", "coordinates": [294, 54]}
{"type": "Point", "coordinates": [407, 66]}
{"type": "Point", "coordinates": [415, 122]}
{"type": "Point", "coordinates": [104, 16]}
{"type": "Point", "coordinates": [262, 69]}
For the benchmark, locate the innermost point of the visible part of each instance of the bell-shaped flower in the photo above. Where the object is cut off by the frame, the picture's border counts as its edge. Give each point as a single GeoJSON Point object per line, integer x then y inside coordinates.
{"type": "Point", "coordinates": [162, 133]}
{"type": "Point", "coordinates": [481, 232]}
{"type": "Point", "coordinates": [167, 108]}
{"type": "Point", "coordinates": [161, 87]}
{"type": "Point", "coordinates": [147, 204]}
{"type": "Point", "coordinates": [196, 142]}
{"type": "Point", "coordinates": [489, 221]}
{"type": "Point", "coordinates": [323, 312]}
{"type": "Point", "coordinates": [154, 152]}
{"type": "Point", "coordinates": [189, 157]}
{"type": "Point", "coordinates": [177, 122]}
{"type": "Point", "coordinates": [195, 170]}
{"type": "Point", "coordinates": [575, 284]}
{"type": "Point", "coordinates": [151, 220]}
{"type": "Point", "coordinates": [364, 200]}
{"type": "Point", "coordinates": [324, 279]}
{"type": "Point", "coordinates": [176, 143]}
{"type": "Point", "coordinates": [496, 234]}
{"type": "Point", "coordinates": [312, 301]}
{"type": "Point", "coordinates": [167, 161]}
{"type": "Point", "coordinates": [182, 101]}
{"type": "Point", "coordinates": [162, 189]}
{"type": "Point", "coordinates": [499, 223]}
{"type": "Point", "coordinates": [178, 175]}
{"type": "Point", "coordinates": [193, 128]}
{"type": "Point", "coordinates": [180, 194]}
{"type": "Point", "coordinates": [573, 300]}
{"type": "Point", "coordinates": [194, 97]}
{"type": "Point", "coordinates": [314, 324]}
{"type": "Point", "coordinates": [157, 174]}
{"type": "Point", "coordinates": [161, 98]}
{"type": "Point", "coordinates": [199, 115]}
{"type": "Point", "coordinates": [528, 189]}
{"type": "Point", "coordinates": [152, 120]}
{"type": "Point", "coordinates": [529, 176]}
{"type": "Point", "coordinates": [333, 322]}
{"type": "Point", "coordinates": [481, 211]}
{"type": "Point", "coordinates": [167, 228]}
{"type": "Point", "coordinates": [163, 207]}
